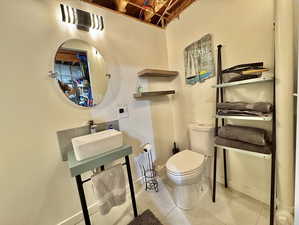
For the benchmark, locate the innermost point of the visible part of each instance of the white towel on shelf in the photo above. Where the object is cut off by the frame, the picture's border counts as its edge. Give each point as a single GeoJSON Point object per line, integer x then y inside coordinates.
{"type": "Point", "coordinates": [110, 188]}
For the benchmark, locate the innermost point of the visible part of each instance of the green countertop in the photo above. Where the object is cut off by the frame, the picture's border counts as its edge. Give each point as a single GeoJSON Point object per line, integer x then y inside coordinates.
{"type": "Point", "coordinates": [79, 167]}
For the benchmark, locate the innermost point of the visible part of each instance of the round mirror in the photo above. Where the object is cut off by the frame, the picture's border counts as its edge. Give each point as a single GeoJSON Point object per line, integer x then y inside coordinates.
{"type": "Point", "coordinates": [80, 72]}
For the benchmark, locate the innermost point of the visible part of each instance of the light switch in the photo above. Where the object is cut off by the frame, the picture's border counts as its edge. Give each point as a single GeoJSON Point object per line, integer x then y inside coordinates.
{"type": "Point", "coordinates": [122, 112]}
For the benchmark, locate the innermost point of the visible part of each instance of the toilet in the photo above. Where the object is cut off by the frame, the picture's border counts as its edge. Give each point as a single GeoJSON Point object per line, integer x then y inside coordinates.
{"type": "Point", "coordinates": [186, 168]}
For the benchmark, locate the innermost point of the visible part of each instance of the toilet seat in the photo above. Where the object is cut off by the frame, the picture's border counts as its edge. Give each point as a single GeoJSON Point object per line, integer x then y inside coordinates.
{"type": "Point", "coordinates": [185, 163]}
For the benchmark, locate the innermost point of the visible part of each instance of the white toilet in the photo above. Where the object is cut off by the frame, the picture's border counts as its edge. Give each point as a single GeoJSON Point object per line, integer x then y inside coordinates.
{"type": "Point", "coordinates": [186, 168]}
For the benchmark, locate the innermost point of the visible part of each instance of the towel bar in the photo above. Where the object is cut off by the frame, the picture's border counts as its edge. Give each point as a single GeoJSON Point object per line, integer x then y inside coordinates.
{"type": "Point", "coordinates": [102, 168]}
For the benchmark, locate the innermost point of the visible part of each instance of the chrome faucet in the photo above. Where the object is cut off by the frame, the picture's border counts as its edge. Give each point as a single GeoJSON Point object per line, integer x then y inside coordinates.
{"type": "Point", "coordinates": [92, 127]}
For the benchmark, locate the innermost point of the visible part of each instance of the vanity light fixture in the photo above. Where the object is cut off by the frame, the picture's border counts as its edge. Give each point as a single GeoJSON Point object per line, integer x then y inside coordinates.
{"type": "Point", "coordinates": [82, 19]}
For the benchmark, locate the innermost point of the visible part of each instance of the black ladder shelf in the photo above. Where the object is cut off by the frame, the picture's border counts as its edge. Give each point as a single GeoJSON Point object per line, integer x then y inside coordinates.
{"type": "Point", "coordinates": [220, 98]}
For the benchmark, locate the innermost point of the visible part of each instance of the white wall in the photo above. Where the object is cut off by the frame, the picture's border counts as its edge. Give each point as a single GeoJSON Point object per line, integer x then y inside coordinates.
{"type": "Point", "coordinates": [245, 30]}
{"type": "Point", "coordinates": [36, 187]}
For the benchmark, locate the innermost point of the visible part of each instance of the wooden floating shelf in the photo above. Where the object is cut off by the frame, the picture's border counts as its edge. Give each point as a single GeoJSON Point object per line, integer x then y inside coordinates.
{"type": "Point", "coordinates": [157, 73]}
{"type": "Point", "coordinates": [249, 81]}
{"type": "Point", "coordinates": [153, 93]}
{"type": "Point", "coordinates": [257, 118]}
{"type": "Point", "coordinates": [255, 154]}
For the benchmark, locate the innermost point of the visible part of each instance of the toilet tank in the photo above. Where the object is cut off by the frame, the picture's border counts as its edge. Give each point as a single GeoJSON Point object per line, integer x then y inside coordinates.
{"type": "Point", "coordinates": [201, 137]}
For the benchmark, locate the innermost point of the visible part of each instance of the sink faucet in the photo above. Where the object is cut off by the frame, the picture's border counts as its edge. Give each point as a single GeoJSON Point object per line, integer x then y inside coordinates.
{"type": "Point", "coordinates": [92, 126]}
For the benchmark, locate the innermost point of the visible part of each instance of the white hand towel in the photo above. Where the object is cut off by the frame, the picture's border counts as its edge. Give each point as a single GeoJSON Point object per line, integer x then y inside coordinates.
{"type": "Point", "coordinates": [110, 188]}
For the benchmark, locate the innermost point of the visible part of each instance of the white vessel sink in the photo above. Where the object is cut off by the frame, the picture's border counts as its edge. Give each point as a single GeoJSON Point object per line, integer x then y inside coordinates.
{"type": "Point", "coordinates": [98, 143]}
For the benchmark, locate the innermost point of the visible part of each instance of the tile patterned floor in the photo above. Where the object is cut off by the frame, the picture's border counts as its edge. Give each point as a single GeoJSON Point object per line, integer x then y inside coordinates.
{"type": "Point", "coordinates": [231, 208]}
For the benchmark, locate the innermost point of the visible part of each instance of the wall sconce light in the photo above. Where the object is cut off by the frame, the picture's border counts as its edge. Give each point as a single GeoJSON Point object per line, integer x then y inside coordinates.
{"type": "Point", "coordinates": [84, 20]}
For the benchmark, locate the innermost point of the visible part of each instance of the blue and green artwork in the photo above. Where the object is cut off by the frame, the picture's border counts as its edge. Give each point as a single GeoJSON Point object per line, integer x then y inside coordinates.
{"type": "Point", "coordinates": [199, 60]}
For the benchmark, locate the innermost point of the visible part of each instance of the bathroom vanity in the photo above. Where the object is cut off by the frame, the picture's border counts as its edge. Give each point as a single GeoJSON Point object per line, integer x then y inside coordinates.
{"type": "Point", "coordinates": [77, 168]}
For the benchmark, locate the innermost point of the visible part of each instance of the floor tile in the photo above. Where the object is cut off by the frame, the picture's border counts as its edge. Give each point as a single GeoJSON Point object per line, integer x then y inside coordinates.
{"type": "Point", "coordinates": [192, 217]}
{"type": "Point", "coordinates": [231, 208]}
{"type": "Point", "coordinates": [160, 203]}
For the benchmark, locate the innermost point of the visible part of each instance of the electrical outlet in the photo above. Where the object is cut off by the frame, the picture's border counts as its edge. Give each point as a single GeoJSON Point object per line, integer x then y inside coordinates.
{"type": "Point", "coordinates": [122, 112]}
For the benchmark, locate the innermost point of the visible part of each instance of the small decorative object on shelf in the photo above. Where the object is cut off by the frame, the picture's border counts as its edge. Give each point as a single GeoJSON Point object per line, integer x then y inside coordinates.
{"type": "Point", "coordinates": [250, 73]}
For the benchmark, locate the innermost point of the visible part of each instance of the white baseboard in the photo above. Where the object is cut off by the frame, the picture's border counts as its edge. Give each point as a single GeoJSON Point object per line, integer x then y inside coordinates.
{"type": "Point", "coordinates": [251, 191]}
{"type": "Point", "coordinates": [78, 217]}
{"type": "Point", "coordinates": [92, 209]}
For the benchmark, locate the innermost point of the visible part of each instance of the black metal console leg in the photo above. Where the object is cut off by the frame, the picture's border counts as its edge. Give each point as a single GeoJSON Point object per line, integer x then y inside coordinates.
{"type": "Point", "coordinates": [214, 176]}
{"type": "Point", "coordinates": [83, 200]}
{"type": "Point", "coordinates": [225, 168]}
{"type": "Point", "coordinates": [131, 186]}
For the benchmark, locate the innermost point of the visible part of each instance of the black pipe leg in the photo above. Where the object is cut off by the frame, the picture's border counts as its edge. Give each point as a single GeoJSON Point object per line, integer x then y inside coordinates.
{"type": "Point", "coordinates": [131, 186]}
{"type": "Point", "coordinates": [214, 172]}
{"type": "Point", "coordinates": [83, 200]}
{"type": "Point", "coordinates": [225, 168]}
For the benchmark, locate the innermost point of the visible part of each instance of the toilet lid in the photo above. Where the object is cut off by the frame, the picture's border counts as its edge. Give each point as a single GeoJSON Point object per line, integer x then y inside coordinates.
{"type": "Point", "coordinates": [185, 162]}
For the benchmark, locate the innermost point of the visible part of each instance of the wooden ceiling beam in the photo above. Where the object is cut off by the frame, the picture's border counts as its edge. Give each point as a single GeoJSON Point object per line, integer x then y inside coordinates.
{"type": "Point", "coordinates": [170, 5]}
{"type": "Point", "coordinates": [121, 5]}
{"type": "Point", "coordinates": [148, 15]}
{"type": "Point", "coordinates": [178, 10]}
{"type": "Point", "coordinates": [163, 11]}
{"type": "Point", "coordinates": [145, 9]}
{"type": "Point", "coordinates": [117, 12]}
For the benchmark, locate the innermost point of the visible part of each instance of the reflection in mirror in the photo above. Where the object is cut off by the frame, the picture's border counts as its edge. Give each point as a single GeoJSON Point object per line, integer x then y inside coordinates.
{"type": "Point", "coordinates": [81, 73]}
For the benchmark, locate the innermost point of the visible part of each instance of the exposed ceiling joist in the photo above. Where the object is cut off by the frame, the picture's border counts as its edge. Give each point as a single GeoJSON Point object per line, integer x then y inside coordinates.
{"type": "Point", "coordinates": [155, 6]}
{"type": "Point", "coordinates": [121, 5]}
{"type": "Point", "coordinates": [156, 12]}
{"type": "Point", "coordinates": [145, 9]}
{"type": "Point", "coordinates": [169, 6]}
{"type": "Point", "coordinates": [180, 9]}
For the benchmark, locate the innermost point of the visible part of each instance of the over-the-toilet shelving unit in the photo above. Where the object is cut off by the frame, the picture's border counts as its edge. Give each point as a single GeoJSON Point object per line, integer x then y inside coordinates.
{"type": "Point", "coordinates": [268, 118]}
{"type": "Point", "coordinates": [155, 73]}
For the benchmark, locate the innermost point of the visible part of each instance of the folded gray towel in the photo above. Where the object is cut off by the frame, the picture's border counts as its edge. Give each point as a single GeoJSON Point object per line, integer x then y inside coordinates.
{"type": "Point", "coordinates": [233, 112]}
{"type": "Point", "coordinates": [263, 107]}
{"type": "Point", "coordinates": [250, 135]}
{"type": "Point", "coordinates": [243, 145]}
{"type": "Point", "coordinates": [243, 77]}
